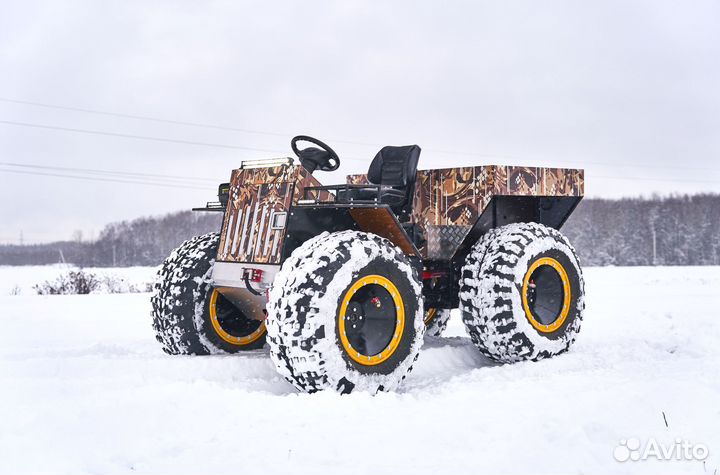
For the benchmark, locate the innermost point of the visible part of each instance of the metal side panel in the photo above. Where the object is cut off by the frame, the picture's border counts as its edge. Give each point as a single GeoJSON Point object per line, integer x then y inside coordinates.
{"type": "Point", "coordinates": [256, 215]}
{"type": "Point", "coordinates": [308, 221]}
{"type": "Point", "coordinates": [381, 221]}
{"type": "Point", "coordinates": [257, 196]}
{"type": "Point", "coordinates": [551, 211]}
{"type": "Point", "coordinates": [449, 202]}
{"type": "Point", "coordinates": [227, 277]}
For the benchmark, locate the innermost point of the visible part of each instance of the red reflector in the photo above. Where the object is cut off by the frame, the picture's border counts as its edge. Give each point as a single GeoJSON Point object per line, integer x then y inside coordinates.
{"type": "Point", "coordinates": [430, 274]}
{"type": "Point", "coordinates": [255, 275]}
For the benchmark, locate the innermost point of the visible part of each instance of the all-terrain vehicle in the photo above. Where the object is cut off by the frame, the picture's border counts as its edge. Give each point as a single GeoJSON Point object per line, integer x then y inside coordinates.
{"type": "Point", "coordinates": [342, 282]}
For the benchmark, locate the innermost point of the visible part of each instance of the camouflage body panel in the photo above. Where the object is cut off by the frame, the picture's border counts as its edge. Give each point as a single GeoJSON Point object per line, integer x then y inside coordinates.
{"type": "Point", "coordinates": [538, 181]}
{"type": "Point", "coordinates": [357, 180]}
{"type": "Point", "coordinates": [447, 202]}
{"type": "Point", "coordinates": [256, 196]}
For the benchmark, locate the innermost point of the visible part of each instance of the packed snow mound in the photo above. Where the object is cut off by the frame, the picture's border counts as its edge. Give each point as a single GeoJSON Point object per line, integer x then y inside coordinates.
{"type": "Point", "coordinates": [87, 389]}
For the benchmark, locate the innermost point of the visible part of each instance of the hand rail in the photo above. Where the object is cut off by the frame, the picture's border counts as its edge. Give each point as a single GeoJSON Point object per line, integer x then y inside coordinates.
{"type": "Point", "coordinates": [346, 187]}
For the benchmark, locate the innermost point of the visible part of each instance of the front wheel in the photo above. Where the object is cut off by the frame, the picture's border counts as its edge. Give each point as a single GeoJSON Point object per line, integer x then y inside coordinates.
{"type": "Point", "coordinates": [522, 293]}
{"type": "Point", "coordinates": [345, 313]}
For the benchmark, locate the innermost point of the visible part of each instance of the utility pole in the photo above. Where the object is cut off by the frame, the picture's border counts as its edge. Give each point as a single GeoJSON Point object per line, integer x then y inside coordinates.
{"type": "Point", "coordinates": [654, 238]}
{"type": "Point", "coordinates": [22, 238]}
{"type": "Point", "coordinates": [653, 217]}
{"type": "Point", "coordinates": [113, 255]}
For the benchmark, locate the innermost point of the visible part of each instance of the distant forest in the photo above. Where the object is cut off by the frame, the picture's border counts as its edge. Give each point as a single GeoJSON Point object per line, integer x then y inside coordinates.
{"type": "Point", "coordinates": [140, 242]}
{"type": "Point", "coordinates": [675, 230]}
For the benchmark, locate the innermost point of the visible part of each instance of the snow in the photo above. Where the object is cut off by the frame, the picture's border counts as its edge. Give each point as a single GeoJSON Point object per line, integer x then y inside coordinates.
{"type": "Point", "coordinates": [86, 389]}
{"type": "Point", "coordinates": [21, 279]}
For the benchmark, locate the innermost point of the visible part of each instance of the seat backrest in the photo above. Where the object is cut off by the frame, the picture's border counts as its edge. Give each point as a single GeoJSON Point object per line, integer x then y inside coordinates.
{"type": "Point", "coordinates": [394, 166]}
{"type": "Point", "coordinates": [397, 167]}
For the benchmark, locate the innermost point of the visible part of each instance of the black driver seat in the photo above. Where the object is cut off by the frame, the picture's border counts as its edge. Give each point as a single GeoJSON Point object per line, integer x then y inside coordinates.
{"type": "Point", "coordinates": [395, 169]}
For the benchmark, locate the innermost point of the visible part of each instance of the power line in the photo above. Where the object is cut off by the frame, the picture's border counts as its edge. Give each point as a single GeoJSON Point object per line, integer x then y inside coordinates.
{"type": "Point", "coordinates": [644, 167]}
{"type": "Point", "coordinates": [138, 137]}
{"type": "Point", "coordinates": [281, 134]}
{"type": "Point", "coordinates": [168, 121]}
{"type": "Point", "coordinates": [573, 163]}
{"type": "Point", "coordinates": [194, 185]}
{"type": "Point", "coordinates": [109, 172]}
{"type": "Point", "coordinates": [172, 178]}
{"type": "Point", "coordinates": [227, 128]}
{"type": "Point", "coordinates": [638, 178]}
{"type": "Point", "coordinates": [268, 133]}
{"type": "Point", "coordinates": [113, 180]}
{"type": "Point", "coordinates": [216, 126]}
{"type": "Point", "coordinates": [146, 137]}
{"type": "Point", "coordinates": [237, 147]}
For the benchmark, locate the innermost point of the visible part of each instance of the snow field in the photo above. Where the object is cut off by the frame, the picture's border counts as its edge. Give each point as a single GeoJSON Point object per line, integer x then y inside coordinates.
{"type": "Point", "coordinates": [20, 280]}
{"type": "Point", "coordinates": [86, 389]}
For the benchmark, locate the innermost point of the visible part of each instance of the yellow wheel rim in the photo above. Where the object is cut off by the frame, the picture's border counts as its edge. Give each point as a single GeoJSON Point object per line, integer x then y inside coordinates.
{"type": "Point", "coordinates": [429, 315]}
{"type": "Point", "coordinates": [389, 350]}
{"type": "Point", "coordinates": [224, 335]}
{"type": "Point", "coordinates": [567, 295]}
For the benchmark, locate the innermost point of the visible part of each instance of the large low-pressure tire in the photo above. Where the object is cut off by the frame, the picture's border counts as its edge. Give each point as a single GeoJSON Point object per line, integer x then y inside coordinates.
{"type": "Point", "coordinates": [345, 313]}
{"type": "Point", "coordinates": [436, 321]}
{"type": "Point", "coordinates": [189, 315]}
{"type": "Point", "coordinates": [522, 293]}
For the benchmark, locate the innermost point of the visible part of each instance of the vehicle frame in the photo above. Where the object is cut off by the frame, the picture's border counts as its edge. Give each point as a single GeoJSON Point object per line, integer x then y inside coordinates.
{"type": "Point", "coordinates": [271, 207]}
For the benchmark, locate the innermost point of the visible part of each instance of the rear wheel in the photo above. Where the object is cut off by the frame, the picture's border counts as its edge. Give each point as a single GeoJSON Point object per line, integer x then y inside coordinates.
{"type": "Point", "coordinates": [345, 313]}
{"type": "Point", "coordinates": [192, 317]}
{"type": "Point", "coordinates": [522, 293]}
{"type": "Point", "coordinates": [436, 321]}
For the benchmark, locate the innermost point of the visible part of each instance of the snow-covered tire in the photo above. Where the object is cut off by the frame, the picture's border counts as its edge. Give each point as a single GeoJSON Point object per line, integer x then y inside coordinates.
{"type": "Point", "coordinates": [498, 296]}
{"type": "Point", "coordinates": [185, 305]}
{"type": "Point", "coordinates": [436, 321]}
{"type": "Point", "coordinates": [314, 302]}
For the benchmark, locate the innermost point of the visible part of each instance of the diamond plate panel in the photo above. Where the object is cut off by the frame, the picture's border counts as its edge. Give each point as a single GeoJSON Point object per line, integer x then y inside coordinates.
{"type": "Point", "coordinates": [443, 241]}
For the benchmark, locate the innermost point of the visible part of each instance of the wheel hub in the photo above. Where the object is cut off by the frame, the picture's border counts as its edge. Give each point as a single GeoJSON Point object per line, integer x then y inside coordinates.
{"type": "Point", "coordinates": [355, 318]}
{"type": "Point", "coordinates": [371, 320]}
{"type": "Point", "coordinates": [546, 294]}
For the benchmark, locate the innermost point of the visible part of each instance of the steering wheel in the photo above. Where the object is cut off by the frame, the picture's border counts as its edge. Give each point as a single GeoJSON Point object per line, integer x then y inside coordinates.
{"type": "Point", "coordinates": [312, 158]}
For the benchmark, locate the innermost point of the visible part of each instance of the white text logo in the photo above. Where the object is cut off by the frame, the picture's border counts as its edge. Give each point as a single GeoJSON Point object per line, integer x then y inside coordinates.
{"type": "Point", "coordinates": [631, 449]}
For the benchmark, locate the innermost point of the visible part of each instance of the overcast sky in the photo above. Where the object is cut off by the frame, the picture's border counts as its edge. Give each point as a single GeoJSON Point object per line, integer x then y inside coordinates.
{"type": "Point", "coordinates": [630, 91]}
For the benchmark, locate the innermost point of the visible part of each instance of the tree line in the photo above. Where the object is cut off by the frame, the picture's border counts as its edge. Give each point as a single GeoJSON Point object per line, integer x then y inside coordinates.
{"type": "Point", "coordinates": [672, 230]}
{"type": "Point", "coordinates": [140, 242]}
